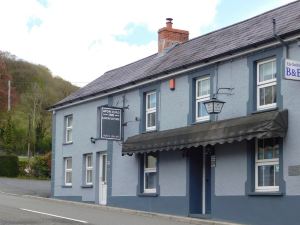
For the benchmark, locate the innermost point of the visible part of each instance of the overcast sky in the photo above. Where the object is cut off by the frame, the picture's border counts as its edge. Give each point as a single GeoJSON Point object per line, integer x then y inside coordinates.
{"type": "Point", "coordinates": [79, 40]}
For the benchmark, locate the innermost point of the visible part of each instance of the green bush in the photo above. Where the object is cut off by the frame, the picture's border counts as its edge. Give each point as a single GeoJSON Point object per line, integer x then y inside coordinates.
{"type": "Point", "coordinates": [23, 165]}
{"type": "Point", "coordinates": [9, 166]}
{"type": "Point", "coordinates": [39, 167]}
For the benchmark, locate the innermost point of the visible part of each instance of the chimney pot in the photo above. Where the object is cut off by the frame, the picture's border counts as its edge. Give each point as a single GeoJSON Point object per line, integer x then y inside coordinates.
{"type": "Point", "coordinates": [169, 22]}
{"type": "Point", "coordinates": [168, 36]}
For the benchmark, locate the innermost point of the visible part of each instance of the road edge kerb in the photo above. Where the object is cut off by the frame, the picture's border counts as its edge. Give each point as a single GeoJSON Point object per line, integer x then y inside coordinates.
{"type": "Point", "coordinates": [132, 212]}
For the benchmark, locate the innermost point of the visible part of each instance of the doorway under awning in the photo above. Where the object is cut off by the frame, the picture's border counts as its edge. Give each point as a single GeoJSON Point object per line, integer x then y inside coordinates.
{"type": "Point", "coordinates": [259, 125]}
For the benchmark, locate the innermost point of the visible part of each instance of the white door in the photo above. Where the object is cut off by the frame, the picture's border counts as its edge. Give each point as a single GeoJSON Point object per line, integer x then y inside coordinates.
{"type": "Point", "coordinates": [103, 179]}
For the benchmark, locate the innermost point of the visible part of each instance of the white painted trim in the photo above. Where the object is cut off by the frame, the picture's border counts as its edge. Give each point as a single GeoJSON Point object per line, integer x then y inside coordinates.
{"type": "Point", "coordinates": [102, 180]}
{"type": "Point", "coordinates": [273, 44]}
{"type": "Point", "coordinates": [201, 98]}
{"type": "Point", "coordinates": [264, 62]}
{"type": "Point", "coordinates": [150, 110]}
{"type": "Point", "coordinates": [263, 162]}
{"type": "Point", "coordinates": [68, 170]}
{"type": "Point", "coordinates": [149, 170]}
{"type": "Point", "coordinates": [68, 128]}
{"type": "Point", "coordinates": [88, 168]}
{"type": "Point", "coordinates": [263, 84]}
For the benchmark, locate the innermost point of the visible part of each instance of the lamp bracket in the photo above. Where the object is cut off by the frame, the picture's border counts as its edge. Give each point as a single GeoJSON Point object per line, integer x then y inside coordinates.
{"type": "Point", "coordinates": [93, 140]}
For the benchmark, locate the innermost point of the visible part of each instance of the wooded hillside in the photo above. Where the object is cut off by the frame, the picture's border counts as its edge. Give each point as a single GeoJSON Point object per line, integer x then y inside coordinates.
{"type": "Point", "coordinates": [27, 126]}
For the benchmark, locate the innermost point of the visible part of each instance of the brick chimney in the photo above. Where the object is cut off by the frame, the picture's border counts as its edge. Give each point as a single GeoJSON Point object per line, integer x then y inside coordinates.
{"type": "Point", "coordinates": [168, 36]}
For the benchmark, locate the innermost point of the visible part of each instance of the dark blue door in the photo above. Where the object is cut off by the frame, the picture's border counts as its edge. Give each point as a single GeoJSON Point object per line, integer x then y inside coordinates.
{"type": "Point", "coordinates": [196, 181]}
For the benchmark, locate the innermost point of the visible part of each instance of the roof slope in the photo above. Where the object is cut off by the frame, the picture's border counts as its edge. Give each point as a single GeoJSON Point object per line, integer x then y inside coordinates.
{"type": "Point", "coordinates": [238, 36]}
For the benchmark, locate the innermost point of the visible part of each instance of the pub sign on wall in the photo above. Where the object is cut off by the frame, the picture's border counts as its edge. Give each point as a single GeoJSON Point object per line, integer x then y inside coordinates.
{"type": "Point", "coordinates": [111, 123]}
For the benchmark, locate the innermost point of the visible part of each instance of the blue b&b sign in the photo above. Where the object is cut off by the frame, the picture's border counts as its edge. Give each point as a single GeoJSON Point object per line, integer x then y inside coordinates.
{"type": "Point", "coordinates": [291, 69]}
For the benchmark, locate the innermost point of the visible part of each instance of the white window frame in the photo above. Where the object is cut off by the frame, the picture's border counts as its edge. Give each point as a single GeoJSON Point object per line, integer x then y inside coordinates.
{"type": "Point", "coordinates": [149, 170]}
{"type": "Point", "coordinates": [151, 110]}
{"type": "Point", "coordinates": [68, 128]}
{"type": "Point", "coordinates": [264, 84]}
{"type": "Point", "coordinates": [68, 170]}
{"type": "Point", "coordinates": [202, 98]}
{"type": "Point", "coordinates": [88, 168]}
{"type": "Point", "coordinates": [264, 162]}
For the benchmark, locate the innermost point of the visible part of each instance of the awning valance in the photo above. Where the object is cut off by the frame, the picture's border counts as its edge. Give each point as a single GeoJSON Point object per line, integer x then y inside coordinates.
{"type": "Point", "coordinates": [259, 125]}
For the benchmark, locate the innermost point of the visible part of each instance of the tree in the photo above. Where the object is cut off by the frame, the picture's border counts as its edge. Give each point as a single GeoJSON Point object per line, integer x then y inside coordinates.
{"type": "Point", "coordinates": [34, 88]}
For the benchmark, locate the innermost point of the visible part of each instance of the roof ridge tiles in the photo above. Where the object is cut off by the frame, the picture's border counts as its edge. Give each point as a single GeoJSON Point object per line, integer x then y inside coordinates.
{"type": "Point", "coordinates": [240, 22]}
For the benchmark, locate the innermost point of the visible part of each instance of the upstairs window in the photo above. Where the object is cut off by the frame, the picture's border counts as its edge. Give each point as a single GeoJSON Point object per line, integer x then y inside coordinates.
{"type": "Point", "coordinates": [150, 173]}
{"type": "Point", "coordinates": [151, 111]}
{"type": "Point", "coordinates": [68, 171]}
{"type": "Point", "coordinates": [266, 84]}
{"type": "Point", "coordinates": [267, 165]}
{"type": "Point", "coordinates": [202, 95]}
{"type": "Point", "coordinates": [68, 128]}
{"type": "Point", "coordinates": [89, 169]}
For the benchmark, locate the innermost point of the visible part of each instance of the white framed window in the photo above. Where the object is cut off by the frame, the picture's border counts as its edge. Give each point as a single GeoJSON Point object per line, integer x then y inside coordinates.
{"type": "Point", "coordinates": [202, 95]}
{"type": "Point", "coordinates": [267, 165]}
{"type": "Point", "coordinates": [68, 128]}
{"type": "Point", "coordinates": [89, 169]}
{"type": "Point", "coordinates": [150, 111]}
{"type": "Point", "coordinates": [68, 171]}
{"type": "Point", "coordinates": [266, 84]}
{"type": "Point", "coordinates": [150, 173]}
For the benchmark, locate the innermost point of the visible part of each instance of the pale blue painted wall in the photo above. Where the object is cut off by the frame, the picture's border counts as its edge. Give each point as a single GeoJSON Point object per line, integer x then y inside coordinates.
{"type": "Point", "coordinates": [291, 145]}
{"type": "Point", "coordinates": [125, 168]}
{"type": "Point", "coordinates": [230, 172]}
{"type": "Point", "coordinates": [174, 104]}
{"type": "Point", "coordinates": [231, 169]}
{"type": "Point", "coordinates": [234, 74]}
{"type": "Point", "coordinates": [84, 127]}
{"type": "Point", "coordinates": [172, 174]}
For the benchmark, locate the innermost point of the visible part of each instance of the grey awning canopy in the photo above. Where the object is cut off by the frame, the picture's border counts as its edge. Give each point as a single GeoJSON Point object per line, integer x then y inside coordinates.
{"type": "Point", "coordinates": [259, 125]}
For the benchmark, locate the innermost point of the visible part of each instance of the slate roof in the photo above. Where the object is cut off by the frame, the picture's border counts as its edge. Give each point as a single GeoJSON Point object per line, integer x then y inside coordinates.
{"type": "Point", "coordinates": [237, 37]}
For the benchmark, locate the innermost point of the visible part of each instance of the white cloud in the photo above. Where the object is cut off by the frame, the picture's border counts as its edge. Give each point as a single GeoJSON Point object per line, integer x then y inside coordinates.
{"type": "Point", "coordinates": [76, 37]}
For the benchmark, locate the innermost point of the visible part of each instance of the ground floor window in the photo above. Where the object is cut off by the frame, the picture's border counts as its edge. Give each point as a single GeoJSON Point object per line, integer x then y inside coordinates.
{"type": "Point", "coordinates": [150, 173]}
{"type": "Point", "coordinates": [88, 169]}
{"type": "Point", "coordinates": [267, 164]}
{"type": "Point", "coordinates": [68, 171]}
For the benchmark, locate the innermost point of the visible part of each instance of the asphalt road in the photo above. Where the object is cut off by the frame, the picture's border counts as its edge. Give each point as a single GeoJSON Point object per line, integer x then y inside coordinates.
{"type": "Point", "coordinates": [25, 187]}
{"type": "Point", "coordinates": [18, 209]}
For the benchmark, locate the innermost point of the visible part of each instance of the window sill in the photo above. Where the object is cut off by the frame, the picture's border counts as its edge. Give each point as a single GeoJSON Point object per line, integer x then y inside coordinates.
{"type": "Point", "coordinates": [68, 143]}
{"type": "Point", "coordinates": [271, 193]}
{"type": "Point", "coordinates": [149, 131]}
{"type": "Point", "coordinates": [87, 186]}
{"type": "Point", "coordinates": [148, 194]}
{"type": "Point", "coordinates": [201, 122]}
{"type": "Point", "coordinates": [265, 110]}
{"type": "Point", "coordinates": [66, 186]}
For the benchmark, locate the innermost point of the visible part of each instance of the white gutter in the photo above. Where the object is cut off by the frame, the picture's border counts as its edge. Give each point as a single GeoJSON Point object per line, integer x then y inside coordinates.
{"type": "Point", "coordinates": [174, 74]}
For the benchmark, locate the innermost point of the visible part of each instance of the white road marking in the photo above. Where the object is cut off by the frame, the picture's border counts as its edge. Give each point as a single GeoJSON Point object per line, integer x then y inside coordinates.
{"type": "Point", "coordinates": [48, 214]}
